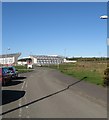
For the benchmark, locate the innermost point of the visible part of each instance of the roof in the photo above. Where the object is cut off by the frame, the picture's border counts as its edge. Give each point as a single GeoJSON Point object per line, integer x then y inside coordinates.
{"type": "Point", "coordinates": [46, 56]}
{"type": "Point", "coordinates": [10, 55]}
{"type": "Point", "coordinates": [24, 59]}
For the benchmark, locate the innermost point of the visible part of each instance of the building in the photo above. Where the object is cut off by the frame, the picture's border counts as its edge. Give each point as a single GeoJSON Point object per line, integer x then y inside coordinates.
{"type": "Point", "coordinates": [9, 59]}
{"type": "Point", "coordinates": [46, 59]}
{"type": "Point", "coordinates": [25, 61]}
{"type": "Point", "coordinates": [69, 61]}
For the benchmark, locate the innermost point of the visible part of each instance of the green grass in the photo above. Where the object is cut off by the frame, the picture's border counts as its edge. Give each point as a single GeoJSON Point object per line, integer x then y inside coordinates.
{"type": "Point", "coordinates": [23, 69]}
{"type": "Point", "coordinates": [93, 71]}
{"type": "Point", "coordinates": [92, 77]}
{"type": "Point", "coordinates": [20, 67]}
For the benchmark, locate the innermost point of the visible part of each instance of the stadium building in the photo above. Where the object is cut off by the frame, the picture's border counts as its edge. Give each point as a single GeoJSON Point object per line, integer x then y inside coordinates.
{"type": "Point", "coordinates": [9, 59]}
{"type": "Point", "coordinates": [46, 59]}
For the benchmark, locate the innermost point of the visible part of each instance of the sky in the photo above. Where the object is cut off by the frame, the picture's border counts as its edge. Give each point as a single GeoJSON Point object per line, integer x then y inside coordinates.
{"type": "Point", "coordinates": [57, 28]}
{"type": "Point", "coordinates": [55, 0]}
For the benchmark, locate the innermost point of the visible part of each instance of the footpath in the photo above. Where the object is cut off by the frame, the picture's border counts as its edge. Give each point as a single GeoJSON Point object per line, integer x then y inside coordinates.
{"type": "Point", "coordinates": [93, 92]}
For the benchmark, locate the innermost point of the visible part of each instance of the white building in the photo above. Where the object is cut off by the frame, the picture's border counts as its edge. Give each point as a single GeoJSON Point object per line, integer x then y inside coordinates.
{"type": "Point", "coordinates": [25, 61]}
{"type": "Point", "coordinates": [9, 59]}
{"type": "Point", "coordinates": [41, 60]}
{"type": "Point", "coordinates": [69, 61]}
{"type": "Point", "coordinates": [46, 59]}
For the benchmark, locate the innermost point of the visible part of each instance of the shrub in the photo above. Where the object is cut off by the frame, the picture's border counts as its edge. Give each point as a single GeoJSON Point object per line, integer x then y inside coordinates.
{"type": "Point", "coordinates": [106, 77]}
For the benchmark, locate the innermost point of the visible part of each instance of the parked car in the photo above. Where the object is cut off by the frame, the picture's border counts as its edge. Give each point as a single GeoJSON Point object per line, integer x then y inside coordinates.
{"type": "Point", "coordinates": [4, 75]}
{"type": "Point", "coordinates": [13, 71]}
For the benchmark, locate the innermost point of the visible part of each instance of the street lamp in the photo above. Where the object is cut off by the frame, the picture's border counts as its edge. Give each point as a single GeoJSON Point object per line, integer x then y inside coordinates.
{"type": "Point", "coordinates": [7, 55]}
{"type": "Point", "coordinates": [104, 17]}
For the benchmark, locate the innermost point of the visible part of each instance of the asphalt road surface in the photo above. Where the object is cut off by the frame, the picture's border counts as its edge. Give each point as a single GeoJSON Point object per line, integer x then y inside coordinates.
{"type": "Point", "coordinates": [47, 93]}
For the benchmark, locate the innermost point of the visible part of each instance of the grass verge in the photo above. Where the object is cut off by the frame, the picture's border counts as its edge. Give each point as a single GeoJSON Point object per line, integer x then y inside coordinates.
{"type": "Point", "coordinates": [23, 69]}
{"type": "Point", "coordinates": [93, 71]}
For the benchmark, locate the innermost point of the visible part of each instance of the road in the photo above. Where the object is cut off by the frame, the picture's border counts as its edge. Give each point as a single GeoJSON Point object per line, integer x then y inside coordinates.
{"type": "Point", "coordinates": [47, 93]}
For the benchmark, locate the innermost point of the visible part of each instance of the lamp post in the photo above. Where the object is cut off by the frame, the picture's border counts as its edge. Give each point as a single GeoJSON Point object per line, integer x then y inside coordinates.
{"type": "Point", "coordinates": [7, 56]}
{"type": "Point", "coordinates": [105, 17]}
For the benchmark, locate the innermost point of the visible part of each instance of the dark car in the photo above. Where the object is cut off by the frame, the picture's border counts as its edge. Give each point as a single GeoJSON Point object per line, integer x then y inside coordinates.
{"type": "Point", "coordinates": [5, 76]}
{"type": "Point", "coordinates": [13, 72]}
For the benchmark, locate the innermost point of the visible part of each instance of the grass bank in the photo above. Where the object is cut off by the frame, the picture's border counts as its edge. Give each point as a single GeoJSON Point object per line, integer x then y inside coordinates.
{"type": "Point", "coordinates": [23, 69]}
{"type": "Point", "coordinates": [94, 71]}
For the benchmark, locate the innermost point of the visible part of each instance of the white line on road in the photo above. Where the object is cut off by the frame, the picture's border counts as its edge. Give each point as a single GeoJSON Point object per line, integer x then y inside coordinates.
{"type": "Point", "coordinates": [19, 104]}
{"type": "Point", "coordinates": [20, 110]}
{"type": "Point", "coordinates": [23, 85]}
{"type": "Point", "coordinates": [27, 107]}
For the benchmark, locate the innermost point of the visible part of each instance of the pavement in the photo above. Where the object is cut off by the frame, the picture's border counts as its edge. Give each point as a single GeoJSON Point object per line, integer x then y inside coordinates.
{"type": "Point", "coordinates": [94, 92]}
{"type": "Point", "coordinates": [48, 93]}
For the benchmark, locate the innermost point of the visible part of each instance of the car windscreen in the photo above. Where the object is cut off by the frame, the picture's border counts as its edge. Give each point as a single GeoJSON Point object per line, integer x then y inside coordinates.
{"type": "Point", "coordinates": [10, 68]}
{"type": "Point", "coordinates": [4, 70]}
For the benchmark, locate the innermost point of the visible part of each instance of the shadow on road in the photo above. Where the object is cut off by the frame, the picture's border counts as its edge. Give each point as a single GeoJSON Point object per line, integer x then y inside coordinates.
{"type": "Point", "coordinates": [11, 96]}
{"type": "Point", "coordinates": [13, 83]}
{"type": "Point", "coordinates": [19, 78]}
{"type": "Point", "coordinates": [44, 97]}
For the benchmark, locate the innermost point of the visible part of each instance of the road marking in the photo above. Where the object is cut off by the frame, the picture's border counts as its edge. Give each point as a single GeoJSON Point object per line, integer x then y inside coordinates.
{"type": "Point", "coordinates": [20, 110]}
{"type": "Point", "coordinates": [27, 110]}
{"type": "Point", "coordinates": [19, 104]}
{"type": "Point", "coordinates": [27, 107]}
{"type": "Point", "coordinates": [23, 85]}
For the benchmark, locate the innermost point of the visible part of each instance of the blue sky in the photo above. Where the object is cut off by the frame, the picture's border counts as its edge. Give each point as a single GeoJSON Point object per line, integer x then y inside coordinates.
{"type": "Point", "coordinates": [71, 29]}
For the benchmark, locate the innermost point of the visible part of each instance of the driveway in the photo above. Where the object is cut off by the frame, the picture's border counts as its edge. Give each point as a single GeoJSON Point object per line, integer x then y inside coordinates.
{"type": "Point", "coordinates": [47, 93]}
